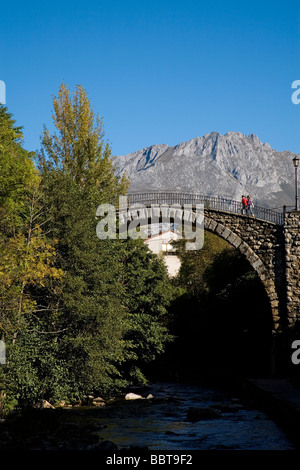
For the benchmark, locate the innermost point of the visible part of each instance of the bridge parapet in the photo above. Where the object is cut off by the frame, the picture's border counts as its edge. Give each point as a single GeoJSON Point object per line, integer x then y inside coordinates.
{"type": "Point", "coordinates": [209, 202]}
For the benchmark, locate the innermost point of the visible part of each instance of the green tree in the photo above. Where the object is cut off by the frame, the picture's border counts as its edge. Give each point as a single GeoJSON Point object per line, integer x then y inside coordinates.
{"type": "Point", "coordinates": [17, 175]}
{"type": "Point", "coordinates": [105, 321]}
{"type": "Point", "coordinates": [27, 255]}
{"type": "Point", "coordinates": [223, 318]}
{"type": "Point", "coordinates": [195, 263]}
{"type": "Point", "coordinates": [149, 294]}
{"type": "Point", "coordinates": [92, 318]}
{"type": "Point", "coordinates": [78, 147]}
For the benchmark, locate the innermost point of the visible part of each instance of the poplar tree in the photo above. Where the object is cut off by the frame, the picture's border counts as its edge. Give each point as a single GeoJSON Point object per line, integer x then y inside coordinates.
{"type": "Point", "coordinates": [78, 175]}
{"type": "Point", "coordinates": [77, 147]}
{"type": "Point", "coordinates": [114, 292]}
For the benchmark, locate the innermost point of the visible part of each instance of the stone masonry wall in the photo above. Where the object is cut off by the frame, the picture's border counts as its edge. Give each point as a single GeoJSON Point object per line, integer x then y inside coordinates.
{"type": "Point", "coordinates": [292, 257]}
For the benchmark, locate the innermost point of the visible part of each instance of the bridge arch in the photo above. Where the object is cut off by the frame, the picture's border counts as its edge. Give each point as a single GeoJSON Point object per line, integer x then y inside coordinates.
{"type": "Point", "coordinates": [254, 260]}
{"type": "Point", "coordinates": [261, 239]}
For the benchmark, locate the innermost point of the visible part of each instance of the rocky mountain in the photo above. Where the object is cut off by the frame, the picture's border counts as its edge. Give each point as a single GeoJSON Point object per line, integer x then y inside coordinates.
{"type": "Point", "coordinates": [214, 165]}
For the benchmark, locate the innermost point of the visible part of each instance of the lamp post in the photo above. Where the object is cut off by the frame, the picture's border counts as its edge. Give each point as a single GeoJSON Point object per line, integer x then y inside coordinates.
{"type": "Point", "coordinates": [296, 164]}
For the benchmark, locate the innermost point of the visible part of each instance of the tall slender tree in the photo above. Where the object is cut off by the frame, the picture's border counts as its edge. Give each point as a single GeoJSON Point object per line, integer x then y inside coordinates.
{"type": "Point", "coordinates": [114, 294]}
{"type": "Point", "coordinates": [78, 175]}
{"type": "Point", "coordinates": [78, 147]}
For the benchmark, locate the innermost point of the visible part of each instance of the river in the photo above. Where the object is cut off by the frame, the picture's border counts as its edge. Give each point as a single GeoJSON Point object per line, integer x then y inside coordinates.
{"type": "Point", "coordinates": [160, 420]}
{"type": "Point", "coordinates": [160, 423]}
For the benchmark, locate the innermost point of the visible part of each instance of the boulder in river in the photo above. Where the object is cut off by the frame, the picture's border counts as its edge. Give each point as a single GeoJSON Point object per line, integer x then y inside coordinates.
{"type": "Point", "coordinates": [202, 413]}
{"type": "Point", "coordinates": [133, 396]}
{"type": "Point", "coordinates": [43, 404]}
{"type": "Point", "coordinates": [228, 407]}
{"type": "Point", "coordinates": [98, 401]}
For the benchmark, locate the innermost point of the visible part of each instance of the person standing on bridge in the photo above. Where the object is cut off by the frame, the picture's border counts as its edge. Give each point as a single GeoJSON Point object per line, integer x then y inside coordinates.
{"type": "Point", "coordinates": [244, 204]}
{"type": "Point", "coordinates": [249, 207]}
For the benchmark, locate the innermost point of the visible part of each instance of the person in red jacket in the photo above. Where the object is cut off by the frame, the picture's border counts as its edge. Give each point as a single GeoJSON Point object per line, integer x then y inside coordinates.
{"type": "Point", "coordinates": [244, 204]}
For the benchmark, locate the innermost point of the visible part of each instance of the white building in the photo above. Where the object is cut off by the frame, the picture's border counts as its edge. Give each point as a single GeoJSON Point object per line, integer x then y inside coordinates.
{"type": "Point", "coordinates": [161, 243]}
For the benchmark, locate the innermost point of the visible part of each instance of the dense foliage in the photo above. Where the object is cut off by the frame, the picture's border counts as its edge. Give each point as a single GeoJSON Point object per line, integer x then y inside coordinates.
{"type": "Point", "coordinates": [78, 315]}
{"type": "Point", "coordinates": [222, 321]}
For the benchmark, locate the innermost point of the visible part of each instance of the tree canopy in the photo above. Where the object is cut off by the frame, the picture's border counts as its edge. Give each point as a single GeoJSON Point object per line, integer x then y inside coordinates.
{"type": "Point", "coordinates": [78, 315]}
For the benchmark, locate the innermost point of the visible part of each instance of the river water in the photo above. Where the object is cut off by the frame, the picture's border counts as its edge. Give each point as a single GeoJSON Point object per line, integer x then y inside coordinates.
{"type": "Point", "coordinates": [160, 423]}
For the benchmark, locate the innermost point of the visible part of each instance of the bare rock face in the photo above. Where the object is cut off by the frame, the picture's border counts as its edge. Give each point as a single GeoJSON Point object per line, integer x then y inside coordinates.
{"type": "Point", "coordinates": [227, 165]}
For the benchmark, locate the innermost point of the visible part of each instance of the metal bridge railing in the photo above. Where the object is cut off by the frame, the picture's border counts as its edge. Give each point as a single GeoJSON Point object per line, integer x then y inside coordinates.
{"type": "Point", "coordinates": [210, 202]}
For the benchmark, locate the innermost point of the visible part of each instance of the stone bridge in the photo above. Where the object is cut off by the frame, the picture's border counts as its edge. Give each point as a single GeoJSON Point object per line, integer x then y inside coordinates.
{"type": "Point", "coordinates": [270, 240]}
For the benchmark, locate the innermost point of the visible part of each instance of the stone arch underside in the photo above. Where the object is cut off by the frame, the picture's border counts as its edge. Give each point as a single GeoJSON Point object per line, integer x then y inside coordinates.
{"type": "Point", "coordinates": [254, 260]}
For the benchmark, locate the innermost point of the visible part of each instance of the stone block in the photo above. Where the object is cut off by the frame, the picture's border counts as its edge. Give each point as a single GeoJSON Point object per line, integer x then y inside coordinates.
{"type": "Point", "coordinates": [226, 233]}
{"type": "Point", "coordinates": [237, 242]}
{"type": "Point", "coordinates": [212, 224]}
{"type": "Point", "coordinates": [244, 249]}
{"type": "Point", "coordinates": [219, 229]}
{"type": "Point", "coordinates": [257, 264]}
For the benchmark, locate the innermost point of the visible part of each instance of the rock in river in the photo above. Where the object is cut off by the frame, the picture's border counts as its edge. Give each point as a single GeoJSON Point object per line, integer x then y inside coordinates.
{"type": "Point", "coordinates": [196, 414]}
{"type": "Point", "coordinates": [133, 396]}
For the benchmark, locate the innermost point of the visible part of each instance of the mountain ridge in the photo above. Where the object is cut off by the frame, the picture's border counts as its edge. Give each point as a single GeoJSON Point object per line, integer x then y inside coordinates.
{"type": "Point", "coordinates": [226, 165]}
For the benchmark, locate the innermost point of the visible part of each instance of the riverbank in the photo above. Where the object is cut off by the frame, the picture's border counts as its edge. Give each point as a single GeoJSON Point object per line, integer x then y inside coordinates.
{"type": "Point", "coordinates": [280, 399]}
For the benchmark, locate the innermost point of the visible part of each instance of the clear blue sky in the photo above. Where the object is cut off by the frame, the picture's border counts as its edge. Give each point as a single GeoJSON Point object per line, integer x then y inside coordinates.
{"type": "Point", "coordinates": [156, 71]}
